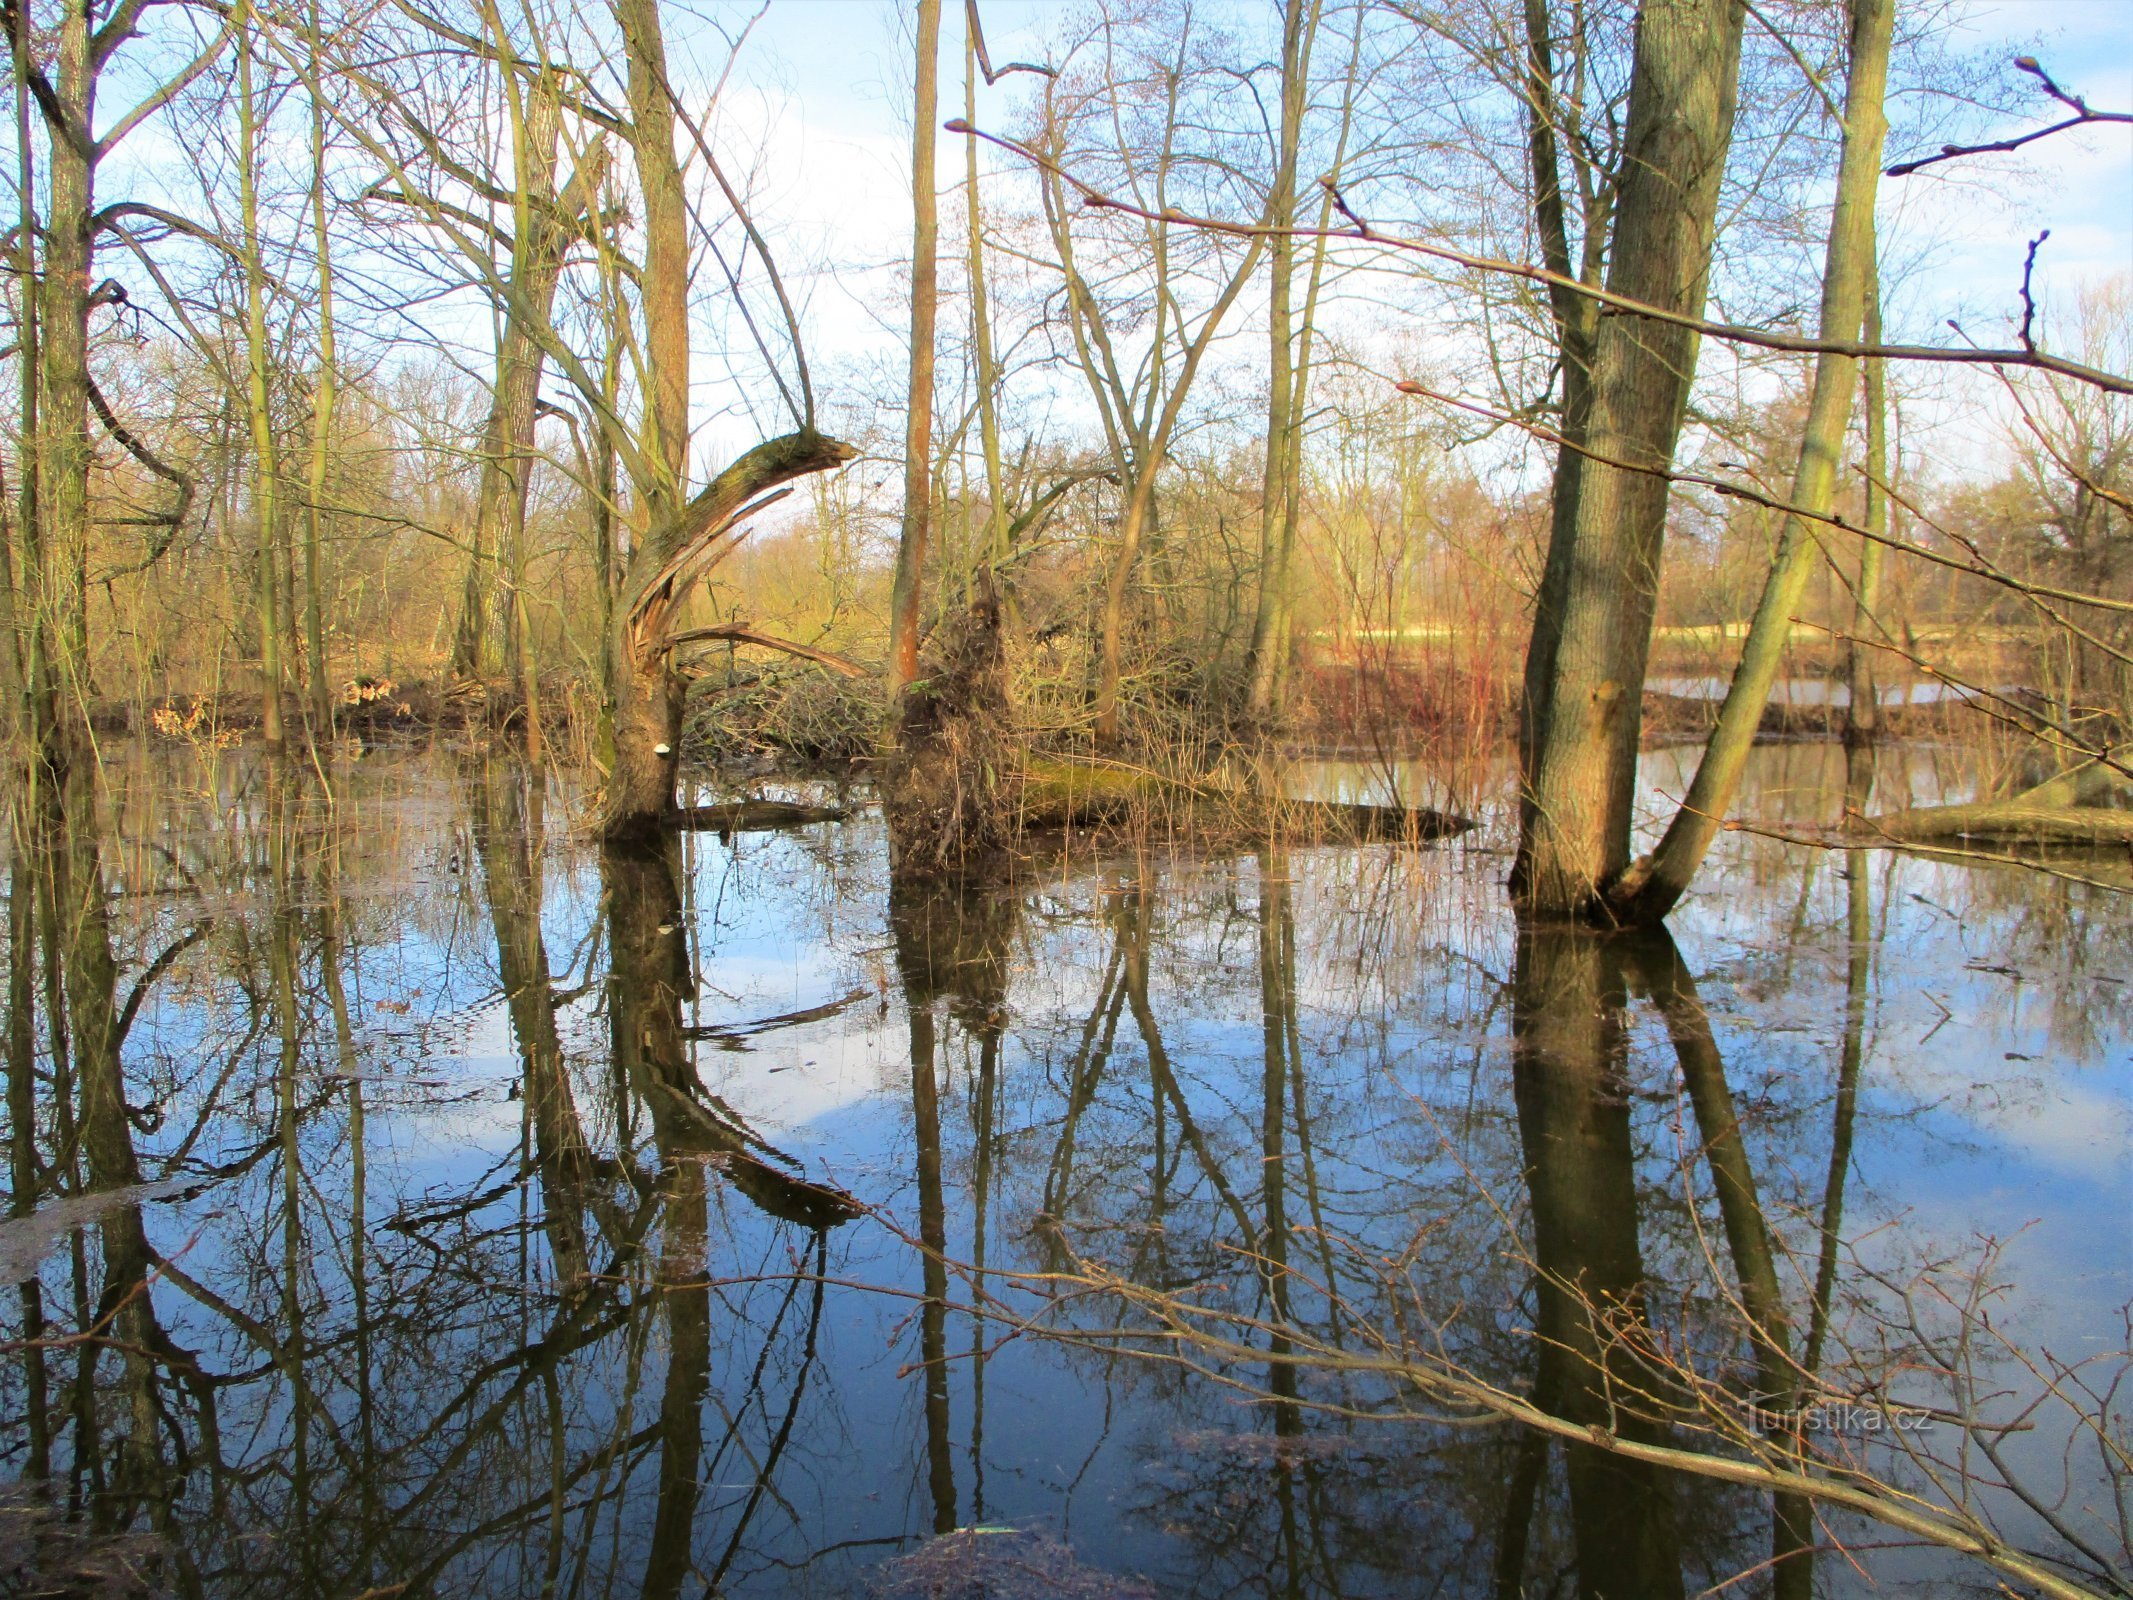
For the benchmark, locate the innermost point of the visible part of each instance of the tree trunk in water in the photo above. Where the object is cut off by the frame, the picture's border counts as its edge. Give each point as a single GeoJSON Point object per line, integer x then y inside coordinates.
{"type": "Point", "coordinates": [918, 414]}
{"type": "Point", "coordinates": [1653, 887]}
{"type": "Point", "coordinates": [1579, 782]}
{"type": "Point", "coordinates": [647, 710]}
{"type": "Point", "coordinates": [648, 692]}
{"type": "Point", "coordinates": [1662, 974]}
{"type": "Point", "coordinates": [1576, 320]}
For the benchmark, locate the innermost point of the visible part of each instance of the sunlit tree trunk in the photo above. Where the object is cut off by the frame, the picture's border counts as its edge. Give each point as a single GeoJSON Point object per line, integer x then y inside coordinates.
{"type": "Point", "coordinates": [258, 399]}
{"type": "Point", "coordinates": [323, 401]}
{"type": "Point", "coordinates": [1278, 498]}
{"type": "Point", "coordinates": [1651, 889]}
{"type": "Point", "coordinates": [1862, 719]}
{"type": "Point", "coordinates": [1581, 776]}
{"type": "Point", "coordinates": [57, 594]}
{"type": "Point", "coordinates": [987, 374]}
{"type": "Point", "coordinates": [1576, 323]}
{"type": "Point", "coordinates": [918, 393]}
{"type": "Point", "coordinates": [25, 557]}
{"type": "Point", "coordinates": [647, 716]}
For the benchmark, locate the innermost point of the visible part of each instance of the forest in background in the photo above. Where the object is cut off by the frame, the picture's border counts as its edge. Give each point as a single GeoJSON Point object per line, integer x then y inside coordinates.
{"type": "Point", "coordinates": [386, 364]}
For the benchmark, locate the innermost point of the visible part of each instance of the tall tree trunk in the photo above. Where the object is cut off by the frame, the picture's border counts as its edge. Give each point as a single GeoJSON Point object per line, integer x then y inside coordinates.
{"type": "Point", "coordinates": [1651, 889]}
{"type": "Point", "coordinates": [647, 714]}
{"type": "Point", "coordinates": [323, 402]}
{"type": "Point", "coordinates": [648, 692]}
{"type": "Point", "coordinates": [918, 413]}
{"type": "Point", "coordinates": [1277, 533]}
{"type": "Point", "coordinates": [1862, 719]}
{"type": "Point", "coordinates": [1576, 321]}
{"type": "Point", "coordinates": [59, 679]}
{"type": "Point", "coordinates": [258, 399]}
{"type": "Point", "coordinates": [1579, 783]}
{"type": "Point", "coordinates": [25, 554]}
{"type": "Point", "coordinates": [987, 375]}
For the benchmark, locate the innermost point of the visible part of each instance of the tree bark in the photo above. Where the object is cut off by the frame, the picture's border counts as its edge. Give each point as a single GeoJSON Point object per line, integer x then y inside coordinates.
{"type": "Point", "coordinates": [918, 412]}
{"type": "Point", "coordinates": [1277, 530]}
{"type": "Point", "coordinates": [1655, 884]}
{"type": "Point", "coordinates": [1576, 321]}
{"type": "Point", "coordinates": [1578, 786]}
{"type": "Point", "coordinates": [1862, 720]}
{"type": "Point", "coordinates": [58, 624]}
{"type": "Point", "coordinates": [258, 398]}
{"type": "Point", "coordinates": [648, 692]}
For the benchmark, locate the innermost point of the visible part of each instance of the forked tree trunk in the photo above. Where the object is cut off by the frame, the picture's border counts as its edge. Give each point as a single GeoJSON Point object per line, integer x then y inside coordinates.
{"type": "Point", "coordinates": [1652, 887]}
{"type": "Point", "coordinates": [1584, 708]}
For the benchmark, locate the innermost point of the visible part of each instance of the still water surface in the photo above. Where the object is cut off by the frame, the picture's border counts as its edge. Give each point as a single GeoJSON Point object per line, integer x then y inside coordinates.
{"type": "Point", "coordinates": [559, 1221]}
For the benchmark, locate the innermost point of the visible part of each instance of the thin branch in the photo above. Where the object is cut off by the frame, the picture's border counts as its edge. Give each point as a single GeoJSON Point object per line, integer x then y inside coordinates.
{"type": "Point", "coordinates": [1760, 338]}
{"type": "Point", "coordinates": [2082, 117]}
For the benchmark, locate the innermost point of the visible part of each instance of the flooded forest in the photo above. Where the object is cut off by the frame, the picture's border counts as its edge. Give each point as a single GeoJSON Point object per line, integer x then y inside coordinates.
{"type": "Point", "coordinates": [1066, 799]}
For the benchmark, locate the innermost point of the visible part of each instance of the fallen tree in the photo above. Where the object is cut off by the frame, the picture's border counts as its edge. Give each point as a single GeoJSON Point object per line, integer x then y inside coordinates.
{"type": "Point", "coordinates": [2082, 806]}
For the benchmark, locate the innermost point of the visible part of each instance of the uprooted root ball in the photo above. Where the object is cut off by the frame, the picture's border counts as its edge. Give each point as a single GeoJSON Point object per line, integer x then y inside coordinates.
{"type": "Point", "coordinates": [948, 787]}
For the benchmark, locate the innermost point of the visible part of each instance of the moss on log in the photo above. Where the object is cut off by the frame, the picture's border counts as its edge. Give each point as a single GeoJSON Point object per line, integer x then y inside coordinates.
{"type": "Point", "coordinates": [2074, 808]}
{"type": "Point", "coordinates": [2008, 819]}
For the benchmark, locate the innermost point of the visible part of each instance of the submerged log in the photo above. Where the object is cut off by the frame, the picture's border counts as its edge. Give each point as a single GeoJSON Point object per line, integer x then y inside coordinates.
{"type": "Point", "coordinates": [2074, 808]}
{"type": "Point", "coordinates": [1080, 794]}
{"type": "Point", "coordinates": [752, 816]}
{"type": "Point", "coordinates": [2009, 819]}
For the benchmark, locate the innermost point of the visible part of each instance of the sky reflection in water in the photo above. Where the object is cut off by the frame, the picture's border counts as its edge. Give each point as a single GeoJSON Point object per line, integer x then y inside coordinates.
{"type": "Point", "coordinates": [558, 1317]}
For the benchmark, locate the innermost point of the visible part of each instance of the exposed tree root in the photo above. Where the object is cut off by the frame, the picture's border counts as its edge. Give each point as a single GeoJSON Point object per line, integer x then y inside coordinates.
{"type": "Point", "coordinates": [948, 786]}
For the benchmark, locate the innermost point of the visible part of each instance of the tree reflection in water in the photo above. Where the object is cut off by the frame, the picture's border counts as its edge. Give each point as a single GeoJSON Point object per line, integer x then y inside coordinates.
{"type": "Point", "coordinates": [491, 1213]}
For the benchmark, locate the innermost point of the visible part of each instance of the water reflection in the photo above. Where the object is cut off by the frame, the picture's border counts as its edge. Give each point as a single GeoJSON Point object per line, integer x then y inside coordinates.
{"type": "Point", "coordinates": [483, 1211]}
